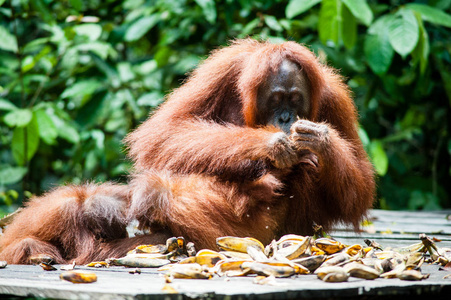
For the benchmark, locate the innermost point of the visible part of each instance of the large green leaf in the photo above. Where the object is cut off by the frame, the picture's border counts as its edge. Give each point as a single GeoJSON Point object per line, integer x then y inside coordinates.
{"type": "Point", "coordinates": [99, 137]}
{"type": "Point", "coordinates": [379, 157]}
{"type": "Point", "coordinates": [25, 142]}
{"type": "Point", "coordinates": [349, 27]}
{"type": "Point", "coordinates": [81, 88]}
{"type": "Point", "coordinates": [330, 21]}
{"type": "Point", "coordinates": [378, 50]}
{"type": "Point", "coordinates": [92, 31]}
{"type": "Point", "coordinates": [421, 51]}
{"type": "Point", "coordinates": [364, 137]}
{"type": "Point", "coordinates": [6, 105]}
{"type": "Point", "coordinates": [431, 14]}
{"type": "Point", "coordinates": [68, 132]}
{"type": "Point", "coordinates": [36, 45]}
{"type": "Point", "coordinates": [360, 10]}
{"type": "Point", "coordinates": [18, 117]}
{"type": "Point", "coordinates": [297, 7]}
{"type": "Point", "coordinates": [403, 32]}
{"type": "Point", "coordinates": [125, 71]}
{"type": "Point", "coordinates": [272, 23]}
{"type": "Point", "coordinates": [47, 129]}
{"type": "Point", "coordinates": [65, 130]}
{"type": "Point", "coordinates": [43, 10]}
{"type": "Point", "coordinates": [8, 41]}
{"type": "Point", "coordinates": [140, 27]}
{"type": "Point", "coordinates": [11, 175]}
{"type": "Point", "coordinates": [208, 9]}
{"type": "Point", "coordinates": [91, 160]}
{"type": "Point", "coordinates": [152, 99]}
{"type": "Point", "coordinates": [99, 48]}
{"type": "Point", "coordinates": [249, 27]}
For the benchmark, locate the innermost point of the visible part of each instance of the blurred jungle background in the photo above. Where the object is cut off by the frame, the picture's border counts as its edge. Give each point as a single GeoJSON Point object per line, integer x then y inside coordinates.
{"type": "Point", "coordinates": [76, 76]}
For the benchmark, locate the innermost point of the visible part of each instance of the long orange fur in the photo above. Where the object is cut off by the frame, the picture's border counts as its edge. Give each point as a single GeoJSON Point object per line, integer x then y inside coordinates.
{"type": "Point", "coordinates": [203, 169]}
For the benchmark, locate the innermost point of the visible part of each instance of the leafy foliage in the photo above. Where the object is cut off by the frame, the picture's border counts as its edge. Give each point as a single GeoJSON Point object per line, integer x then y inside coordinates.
{"type": "Point", "coordinates": [76, 76]}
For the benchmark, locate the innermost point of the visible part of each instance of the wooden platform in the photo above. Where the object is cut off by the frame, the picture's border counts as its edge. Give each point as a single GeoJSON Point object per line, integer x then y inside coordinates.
{"type": "Point", "coordinates": [390, 229]}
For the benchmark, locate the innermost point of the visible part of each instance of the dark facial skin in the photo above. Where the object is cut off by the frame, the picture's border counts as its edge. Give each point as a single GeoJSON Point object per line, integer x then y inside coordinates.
{"type": "Point", "coordinates": [284, 97]}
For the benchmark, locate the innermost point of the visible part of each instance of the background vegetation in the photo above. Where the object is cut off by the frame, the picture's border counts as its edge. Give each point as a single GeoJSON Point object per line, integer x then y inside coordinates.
{"type": "Point", "coordinates": [76, 76]}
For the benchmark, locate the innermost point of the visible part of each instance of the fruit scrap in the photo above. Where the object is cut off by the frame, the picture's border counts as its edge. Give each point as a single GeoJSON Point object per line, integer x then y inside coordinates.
{"type": "Point", "coordinates": [47, 267]}
{"type": "Point", "coordinates": [230, 243]}
{"type": "Point", "coordinates": [329, 246]}
{"type": "Point", "coordinates": [291, 255]}
{"type": "Point", "coordinates": [332, 274]}
{"type": "Point", "coordinates": [40, 258]}
{"type": "Point", "coordinates": [189, 271]}
{"type": "Point", "coordinates": [139, 261]}
{"type": "Point", "coordinates": [97, 264]}
{"type": "Point", "coordinates": [78, 277]}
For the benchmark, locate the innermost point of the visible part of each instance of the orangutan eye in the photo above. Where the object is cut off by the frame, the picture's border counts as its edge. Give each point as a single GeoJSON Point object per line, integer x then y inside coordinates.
{"type": "Point", "coordinates": [296, 98]}
{"type": "Point", "coordinates": [276, 99]}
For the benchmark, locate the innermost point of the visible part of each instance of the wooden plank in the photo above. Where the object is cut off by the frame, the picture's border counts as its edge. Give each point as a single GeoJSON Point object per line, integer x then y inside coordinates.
{"type": "Point", "coordinates": [116, 282]}
{"type": "Point", "coordinates": [406, 223]}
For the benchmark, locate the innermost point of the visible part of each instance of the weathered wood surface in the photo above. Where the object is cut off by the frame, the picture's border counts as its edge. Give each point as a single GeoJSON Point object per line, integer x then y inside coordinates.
{"type": "Point", "coordinates": [389, 229]}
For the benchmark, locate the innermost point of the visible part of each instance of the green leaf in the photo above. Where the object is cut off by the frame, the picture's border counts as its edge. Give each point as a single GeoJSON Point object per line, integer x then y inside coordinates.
{"type": "Point", "coordinates": [379, 157]}
{"type": "Point", "coordinates": [92, 31]}
{"type": "Point", "coordinates": [146, 67]}
{"type": "Point", "coordinates": [28, 63]}
{"type": "Point", "coordinates": [186, 63]}
{"type": "Point", "coordinates": [208, 9]}
{"type": "Point", "coordinates": [403, 32]}
{"type": "Point", "coordinates": [25, 142]}
{"type": "Point", "coordinates": [68, 132]}
{"type": "Point", "coordinates": [162, 56]}
{"type": "Point", "coordinates": [125, 71]}
{"type": "Point", "coordinates": [152, 99]}
{"type": "Point", "coordinates": [99, 137]}
{"type": "Point", "coordinates": [249, 27]}
{"type": "Point", "coordinates": [364, 137]}
{"type": "Point", "coordinates": [272, 23]}
{"type": "Point", "coordinates": [329, 23]}
{"type": "Point", "coordinates": [11, 175]}
{"type": "Point", "coordinates": [8, 41]}
{"type": "Point", "coordinates": [6, 105]}
{"type": "Point", "coordinates": [297, 7]}
{"type": "Point", "coordinates": [378, 50]}
{"type": "Point", "coordinates": [35, 45]}
{"type": "Point", "coordinates": [360, 10]}
{"type": "Point", "coordinates": [141, 27]}
{"type": "Point", "coordinates": [91, 161]}
{"type": "Point", "coordinates": [431, 14]}
{"type": "Point", "coordinates": [43, 11]}
{"type": "Point", "coordinates": [47, 129]}
{"type": "Point", "coordinates": [65, 129]}
{"type": "Point", "coordinates": [421, 51]}
{"type": "Point", "coordinates": [81, 88]}
{"type": "Point", "coordinates": [18, 117]}
{"type": "Point", "coordinates": [349, 33]}
{"type": "Point", "coordinates": [101, 49]}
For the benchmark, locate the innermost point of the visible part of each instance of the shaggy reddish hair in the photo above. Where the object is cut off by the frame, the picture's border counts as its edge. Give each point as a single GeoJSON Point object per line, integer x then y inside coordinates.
{"type": "Point", "coordinates": [204, 169]}
{"type": "Point", "coordinates": [208, 159]}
